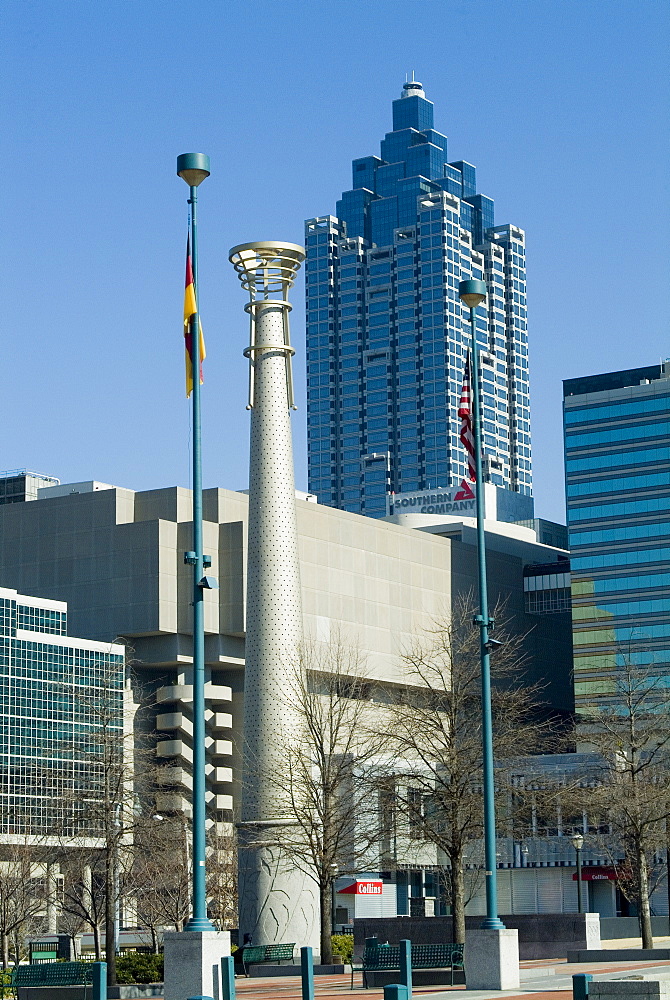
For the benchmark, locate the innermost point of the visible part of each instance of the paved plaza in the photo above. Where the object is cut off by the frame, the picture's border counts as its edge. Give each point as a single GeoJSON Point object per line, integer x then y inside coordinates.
{"type": "Point", "coordinates": [541, 979]}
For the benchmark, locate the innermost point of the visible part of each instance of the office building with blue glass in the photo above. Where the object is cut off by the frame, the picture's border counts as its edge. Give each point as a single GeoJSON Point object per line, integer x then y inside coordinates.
{"type": "Point", "coordinates": [387, 335]}
{"type": "Point", "coordinates": [617, 462]}
{"type": "Point", "coordinates": [60, 697]}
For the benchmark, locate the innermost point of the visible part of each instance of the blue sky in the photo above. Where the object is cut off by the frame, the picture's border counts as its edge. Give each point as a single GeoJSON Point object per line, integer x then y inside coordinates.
{"type": "Point", "coordinates": [562, 106]}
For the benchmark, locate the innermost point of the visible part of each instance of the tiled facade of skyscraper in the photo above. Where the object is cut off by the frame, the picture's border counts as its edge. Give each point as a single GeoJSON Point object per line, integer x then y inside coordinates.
{"type": "Point", "coordinates": [387, 335]}
{"type": "Point", "coordinates": [617, 460]}
{"type": "Point", "coordinates": [55, 692]}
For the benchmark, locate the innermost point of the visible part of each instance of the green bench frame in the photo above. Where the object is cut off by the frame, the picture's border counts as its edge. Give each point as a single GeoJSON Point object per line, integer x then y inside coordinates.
{"type": "Point", "coordinates": [257, 954]}
{"type": "Point", "coordinates": [386, 958]}
{"type": "Point", "coordinates": [53, 974]}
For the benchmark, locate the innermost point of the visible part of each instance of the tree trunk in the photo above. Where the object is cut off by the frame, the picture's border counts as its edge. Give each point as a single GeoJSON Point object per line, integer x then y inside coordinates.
{"type": "Point", "coordinates": [110, 926]}
{"type": "Point", "coordinates": [96, 942]}
{"type": "Point", "coordinates": [154, 941]}
{"type": "Point", "coordinates": [458, 898]}
{"type": "Point", "coordinates": [326, 925]}
{"type": "Point", "coordinates": [5, 951]}
{"type": "Point", "coordinates": [643, 892]}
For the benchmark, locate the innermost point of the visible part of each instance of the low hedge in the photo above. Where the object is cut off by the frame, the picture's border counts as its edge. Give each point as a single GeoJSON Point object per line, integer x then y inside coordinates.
{"type": "Point", "coordinates": [136, 967]}
{"type": "Point", "coordinates": [343, 944]}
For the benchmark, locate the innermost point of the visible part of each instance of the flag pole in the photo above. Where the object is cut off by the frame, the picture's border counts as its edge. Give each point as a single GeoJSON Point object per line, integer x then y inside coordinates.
{"type": "Point", "coordinates": [472, 293]}
{"type": "Point", "coordinates": [194, 168]}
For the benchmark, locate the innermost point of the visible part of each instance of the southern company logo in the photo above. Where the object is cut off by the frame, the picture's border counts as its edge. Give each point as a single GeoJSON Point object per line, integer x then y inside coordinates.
{"type": "Point", "coordinates": [465, 492]}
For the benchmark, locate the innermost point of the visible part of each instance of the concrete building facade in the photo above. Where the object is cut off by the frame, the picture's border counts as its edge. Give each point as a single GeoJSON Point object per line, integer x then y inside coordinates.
{"type": "Point", "coordinates": [117, 557]}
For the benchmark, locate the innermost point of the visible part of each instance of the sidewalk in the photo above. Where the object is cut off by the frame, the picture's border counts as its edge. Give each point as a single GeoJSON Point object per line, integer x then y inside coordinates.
{"type": "Point", "coordinates": [541, 980]}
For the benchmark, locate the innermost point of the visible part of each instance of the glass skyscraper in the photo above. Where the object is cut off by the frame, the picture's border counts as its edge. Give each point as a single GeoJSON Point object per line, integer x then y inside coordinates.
{"type": "Point", "coordinates": [387, 335]}
{"type": "Point", "coordinates": [59, 697]}
{"type": "Point", "coordinates": [617, 462]}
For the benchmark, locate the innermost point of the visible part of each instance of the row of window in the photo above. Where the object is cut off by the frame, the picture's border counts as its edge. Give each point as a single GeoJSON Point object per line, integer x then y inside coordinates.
{"type": "Point", "coordinates": [622, 534]}
{"type": "Point", "coordinates": [629, 558]}
{"type": "Point", "coordinates": [547, 602]}
{"type": "Point", "coordinates": [623, 508]}
{"type": "Point", "coordinates": [620, 634]}
{"type": "Point", "coordinates": [636, 482]}
{"type": "Point", "coordinates": [609, 411]}
{"type": "Point", "coordinates": [609, 435]}
{"type": "Point", "coordinates": [610, 659]}
{"type": "Point", "coordinates": [611, 461]}
{"type": "Point", "coordinates": [620, 608]}
{"type": "Point", "coordinates": [612, 584]}
{"type": "Point", "coordinates": [41, 620]}
{"type": "Point", "coordinates": [547, 581]}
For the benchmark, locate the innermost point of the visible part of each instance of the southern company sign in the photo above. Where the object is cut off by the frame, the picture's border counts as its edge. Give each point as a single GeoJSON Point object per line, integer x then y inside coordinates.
{"type": "Point", "coordinates": [459, 500]}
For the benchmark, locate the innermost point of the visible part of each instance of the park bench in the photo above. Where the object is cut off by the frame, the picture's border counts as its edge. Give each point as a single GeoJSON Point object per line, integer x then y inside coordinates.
{"type": "Point", "coordinates": [256, 954]}
{"type": "Point", "coordinates": [53, 974]}
{"type": "Point", "coordinates": [386, 958]}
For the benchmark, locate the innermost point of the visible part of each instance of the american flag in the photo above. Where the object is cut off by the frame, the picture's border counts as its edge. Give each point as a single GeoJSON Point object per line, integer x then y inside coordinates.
{"type": "Point", "coordinates": [465, 413]}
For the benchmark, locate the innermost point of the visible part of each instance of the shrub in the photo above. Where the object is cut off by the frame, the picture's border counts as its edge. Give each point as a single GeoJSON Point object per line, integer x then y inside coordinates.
{"type": "Point", "coordinates": [343, 944]}
{"type": "Point", "coordinates": [136, 967]}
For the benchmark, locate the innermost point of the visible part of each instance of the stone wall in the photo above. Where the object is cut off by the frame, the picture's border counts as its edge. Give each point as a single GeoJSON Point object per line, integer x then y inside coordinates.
{"type": "Point", "coordinates": [540, 935]}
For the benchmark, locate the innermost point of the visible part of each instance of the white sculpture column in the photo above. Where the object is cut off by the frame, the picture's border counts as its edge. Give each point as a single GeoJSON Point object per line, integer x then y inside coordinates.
{"type": "Point", "coordinates": [277, 903]}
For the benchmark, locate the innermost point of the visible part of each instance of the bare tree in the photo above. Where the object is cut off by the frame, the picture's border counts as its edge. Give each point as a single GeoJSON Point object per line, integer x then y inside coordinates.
{"type": "Point", "coordinates": [23, 893]}
{"type": "Point", "coordinates": [73, 925]}
{"type": "Point", "coordinates": [222, 876]}
{"type": "Point", "coordinates": [629, 731]}
{"type": "Point", "coordinates": [331, 772]}
{"type": "Point", "coordinates": [437, 732]}
{"type": "Point", "coordinates": [100, 805]}
{"type": "Point", "coordinates": [160, 878]}
{"type": "Point", "coordinates": [84, 899]}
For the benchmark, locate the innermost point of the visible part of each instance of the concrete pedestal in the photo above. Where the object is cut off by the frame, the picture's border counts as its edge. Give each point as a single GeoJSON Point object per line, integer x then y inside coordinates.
{"type": "Point", "coordinates": [492, 959]}
{"type": "Point", "coordinates": [193, 963]}
{"type": "Point", "coordinates": [592, 931]}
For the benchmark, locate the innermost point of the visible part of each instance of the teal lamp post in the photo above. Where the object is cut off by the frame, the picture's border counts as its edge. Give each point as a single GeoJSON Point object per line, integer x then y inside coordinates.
{"type": "Point", "coordinates": [194, 168]}
{"type": "Point", "coordinates": [472, 293]}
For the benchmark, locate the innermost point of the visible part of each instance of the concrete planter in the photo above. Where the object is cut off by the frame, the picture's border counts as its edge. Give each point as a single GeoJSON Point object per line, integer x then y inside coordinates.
{"type": "Point", "coordinates": [132, 991]}
{"type": "Point", "coordinates": [129, 992]}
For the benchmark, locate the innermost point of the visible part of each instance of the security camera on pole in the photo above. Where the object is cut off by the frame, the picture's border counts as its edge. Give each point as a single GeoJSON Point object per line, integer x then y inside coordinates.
{"type": "Point", "coordinates": [277, 903]}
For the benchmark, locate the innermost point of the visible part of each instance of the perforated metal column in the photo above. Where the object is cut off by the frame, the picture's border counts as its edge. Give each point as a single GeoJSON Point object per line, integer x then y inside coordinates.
{"type": "Point", "coordinates": [277, 903]}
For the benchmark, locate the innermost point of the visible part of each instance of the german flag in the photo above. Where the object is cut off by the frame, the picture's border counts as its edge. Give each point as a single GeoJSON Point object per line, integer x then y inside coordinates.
{"type": "Point", "coordinates": [190, 309]}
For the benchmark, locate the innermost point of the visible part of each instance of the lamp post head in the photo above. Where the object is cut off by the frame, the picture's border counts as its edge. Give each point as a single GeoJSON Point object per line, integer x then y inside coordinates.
{"type": "Point", "coordinates": [577, 841]}
{"type": "Point", "coordinates": [193, 168]}
{"type": "Point", "coordinates": [472, 292]}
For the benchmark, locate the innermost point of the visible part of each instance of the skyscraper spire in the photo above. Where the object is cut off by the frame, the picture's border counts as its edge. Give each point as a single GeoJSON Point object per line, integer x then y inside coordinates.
{"type": "Point", "coordinates": [412, 88]}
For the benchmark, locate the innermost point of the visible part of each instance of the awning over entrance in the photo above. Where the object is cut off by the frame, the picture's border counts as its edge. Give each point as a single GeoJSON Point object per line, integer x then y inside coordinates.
{"type": "Point", "coordinates": [363, 888]}
{"type": "Point", "coordinates": [597, 873]}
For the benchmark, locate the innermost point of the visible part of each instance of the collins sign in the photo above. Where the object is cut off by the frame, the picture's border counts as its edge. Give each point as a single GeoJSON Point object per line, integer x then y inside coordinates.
{"type": "Point", "coordinates": [460, 499]}
{"type": "Point", "coordinates": [367, 888]}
